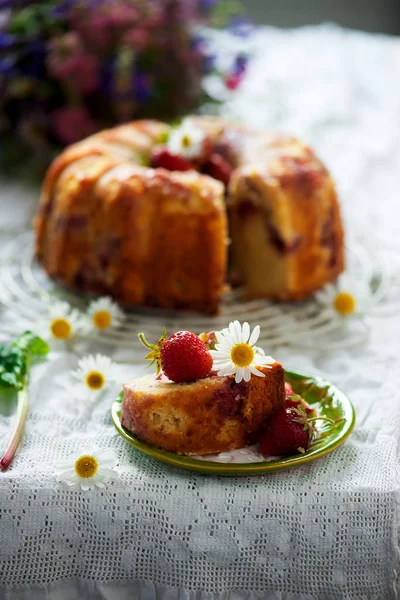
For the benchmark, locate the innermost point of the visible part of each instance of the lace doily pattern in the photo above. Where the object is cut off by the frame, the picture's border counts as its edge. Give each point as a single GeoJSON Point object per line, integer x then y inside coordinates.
{"type": "Point", "coordinates": [249, 534]}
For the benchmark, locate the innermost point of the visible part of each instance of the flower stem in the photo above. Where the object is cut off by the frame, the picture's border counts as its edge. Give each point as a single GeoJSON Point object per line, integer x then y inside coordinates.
{"type": "Point", "coordinates": [20, 420]}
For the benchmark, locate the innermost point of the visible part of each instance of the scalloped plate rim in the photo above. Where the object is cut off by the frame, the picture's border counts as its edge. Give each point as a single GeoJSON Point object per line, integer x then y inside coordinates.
{"type": "Point", "coordinates": [234, 469]}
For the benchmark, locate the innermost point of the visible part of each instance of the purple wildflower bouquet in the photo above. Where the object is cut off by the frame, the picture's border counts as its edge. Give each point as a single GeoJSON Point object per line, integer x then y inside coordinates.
{"type": "Point", "coordinates": [71, 67]}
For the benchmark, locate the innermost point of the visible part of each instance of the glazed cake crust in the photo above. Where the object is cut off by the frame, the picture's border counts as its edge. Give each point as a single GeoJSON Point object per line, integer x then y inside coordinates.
{"type": "Point", "coordinates": [108, 226]}
{"type": "Point", "coordinates": [207, 416]}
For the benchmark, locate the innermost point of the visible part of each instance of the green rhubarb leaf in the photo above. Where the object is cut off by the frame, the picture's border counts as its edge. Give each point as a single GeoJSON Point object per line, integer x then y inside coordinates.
{"type": "Point", "coordinates": [12, 367]}
{"type": "Point", "coordinates": [14, 359]}
{"type": "Point", "coordinates": [32, 345]}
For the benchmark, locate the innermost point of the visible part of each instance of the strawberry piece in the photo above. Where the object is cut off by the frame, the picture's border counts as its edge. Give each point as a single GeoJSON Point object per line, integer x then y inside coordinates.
{"type": "Point", "coordinates": [218, 168]}
{"type": "Point", "coordinates": [209, 339]}
{"type": "Point", "coordinates": [161, 157]}
{"type": "Point", "coordinates": [288, 389]}
{"type": "Point", "coordinates": [287, 432]}
{"type": "Point", "coordinates": [184, 357]}
{"type": "Point", "coordinates": [294, 400]}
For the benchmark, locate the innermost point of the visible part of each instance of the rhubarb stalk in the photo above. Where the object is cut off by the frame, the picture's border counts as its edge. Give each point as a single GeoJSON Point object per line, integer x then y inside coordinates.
{"type": "Point", "coordinates": [20, 420]}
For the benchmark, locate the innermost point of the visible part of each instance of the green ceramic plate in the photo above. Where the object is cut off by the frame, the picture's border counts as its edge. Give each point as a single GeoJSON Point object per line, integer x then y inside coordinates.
{"type": "Point", "coordinates": [320, 394]}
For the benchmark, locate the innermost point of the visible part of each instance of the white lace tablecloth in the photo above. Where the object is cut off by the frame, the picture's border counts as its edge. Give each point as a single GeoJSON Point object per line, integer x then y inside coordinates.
{"type": "Point", "coordinates": [327, 530]}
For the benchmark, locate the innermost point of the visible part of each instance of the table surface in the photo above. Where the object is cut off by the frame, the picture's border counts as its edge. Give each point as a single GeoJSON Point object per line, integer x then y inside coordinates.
{"type": "Point", "coordinates": [326, 530]}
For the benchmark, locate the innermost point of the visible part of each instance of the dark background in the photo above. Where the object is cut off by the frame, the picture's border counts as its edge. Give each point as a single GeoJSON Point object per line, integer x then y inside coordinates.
{"type": "Point", "coordinates": [368, 15]}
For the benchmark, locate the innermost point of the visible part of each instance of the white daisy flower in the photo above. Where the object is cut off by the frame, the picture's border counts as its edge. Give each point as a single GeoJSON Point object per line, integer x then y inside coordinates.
{"type": "Point", "coordinates": [347, 297]}
{"type": "Point", "coordinates": [61, 323]}
{"type": "Point", "coordinates": [94, 374]}
{"type": "Point", "coordinates": [236, 354]}
{"type": "Point", "coordinates": [102, 314]}
{"type": "Point", "coordinates": [186, 140]}
{"type": "Point", "coordinates": [91, 469]}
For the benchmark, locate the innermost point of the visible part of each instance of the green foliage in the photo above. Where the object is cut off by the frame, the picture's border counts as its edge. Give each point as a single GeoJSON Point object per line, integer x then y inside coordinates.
{"type": "Point", "coordinates": [224, 11]}
{"type": "Point", "coordinates": [33, 20]}
{"type": "Point", "coordinates": [14, 359]}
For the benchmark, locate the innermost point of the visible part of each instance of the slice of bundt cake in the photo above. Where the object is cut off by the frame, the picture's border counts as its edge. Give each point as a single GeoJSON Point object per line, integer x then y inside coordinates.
{"type": "Point", "coordinates": [206, 416]}
{"type": "Point", "coordinates": [212, 393]}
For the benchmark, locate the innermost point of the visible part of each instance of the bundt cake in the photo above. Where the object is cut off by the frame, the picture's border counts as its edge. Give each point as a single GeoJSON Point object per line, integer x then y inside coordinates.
{"type": "Point", "coordinates": [140, 212]}
{"type": "Point", "coordinates": [206, 416]}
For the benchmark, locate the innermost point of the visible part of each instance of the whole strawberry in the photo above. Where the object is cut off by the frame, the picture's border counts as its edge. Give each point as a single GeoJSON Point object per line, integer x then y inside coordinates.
{"type": "Point", "coordinates": [288, 431]}
{"type": "Point", "coordinates": [182, 356]}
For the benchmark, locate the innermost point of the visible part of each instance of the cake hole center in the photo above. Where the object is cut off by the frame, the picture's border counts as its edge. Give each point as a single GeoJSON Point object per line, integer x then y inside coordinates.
{"type": "Point", "coordinates": [242, 355]}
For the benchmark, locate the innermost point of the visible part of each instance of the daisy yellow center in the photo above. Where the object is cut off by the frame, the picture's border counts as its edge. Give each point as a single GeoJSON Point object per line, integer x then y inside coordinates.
{"type": "Point", "coordinates": [345, 303]}
{"type": "Point", "coordinates": [61, 329]}
{"type": "Point", "coordinates": [242, 355]}
{"type": "Point", "coordinates": [102, 319]}
{"type": "Point", "coordinates": [95, 380]}
{"type": "Point", "coordinates": [86, 466]}
{"type": "Point", "coordinates": [186, 141]}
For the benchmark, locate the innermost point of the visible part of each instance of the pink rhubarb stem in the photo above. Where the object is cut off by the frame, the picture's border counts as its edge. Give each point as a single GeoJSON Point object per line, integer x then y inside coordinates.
{"type": "Point", "coordinates": [20, 420]}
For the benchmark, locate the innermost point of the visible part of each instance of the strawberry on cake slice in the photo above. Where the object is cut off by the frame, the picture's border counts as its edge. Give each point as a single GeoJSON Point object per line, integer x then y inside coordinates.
{"type": "Point", "coordinates": [205, 398]}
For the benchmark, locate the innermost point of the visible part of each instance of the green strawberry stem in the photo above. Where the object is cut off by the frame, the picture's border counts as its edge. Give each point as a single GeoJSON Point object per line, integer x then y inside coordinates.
{"type": "Point", "coordinates": [20, 420]}
{"type": "Point", "coordinates": [145, 342]}
{"type": "Point", "coordinates": [155, 349]}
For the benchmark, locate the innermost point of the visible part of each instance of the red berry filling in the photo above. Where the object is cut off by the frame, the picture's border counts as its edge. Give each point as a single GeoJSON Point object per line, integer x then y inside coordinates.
{"type": "Point", "coordinates": [230, 398]}
{"type": "Point", "coordinates": [329, 240]}
{"type": "Point", "coordinates": [301, 175]}
{"type": "Point", "coordinates": [218, 168]}
{"type": "Point", "coordinates": [280, 244]}
{"type": "Point", "coordinates": [246, 209]}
